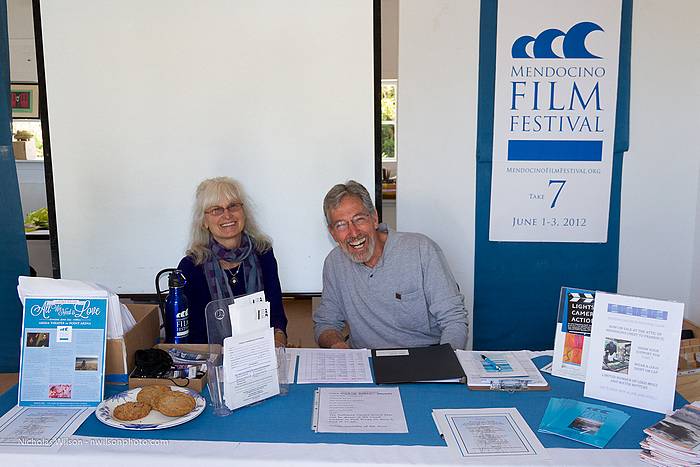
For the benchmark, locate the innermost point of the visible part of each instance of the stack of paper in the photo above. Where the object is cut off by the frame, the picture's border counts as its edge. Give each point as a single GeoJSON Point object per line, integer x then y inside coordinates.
{"type": "Point", "coordinates": [675, 440]}
{"type": "Point", "coordinates": [119, 318]}
{"type": "Point", "coordinates": [500, 370]}
{"type": "Point", "coordinates": [250, 361]}
{"type": "Point", "coordinates": [588, 423]}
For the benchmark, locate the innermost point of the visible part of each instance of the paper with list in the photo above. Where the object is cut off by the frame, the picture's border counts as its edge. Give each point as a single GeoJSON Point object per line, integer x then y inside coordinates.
{"type": "Point", "coordinates": [333, 366]}
{"type": "Point", "coordinates": [250, 368]}
{"type": "Point", "coordinates": [359, 410]}
{"type": "Point", "coordinates": [39, 428]}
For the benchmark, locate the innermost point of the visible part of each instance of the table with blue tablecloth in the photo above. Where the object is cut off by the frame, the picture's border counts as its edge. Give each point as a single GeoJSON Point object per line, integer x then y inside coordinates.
{"type": "Point", "coordinates": [279, 430]}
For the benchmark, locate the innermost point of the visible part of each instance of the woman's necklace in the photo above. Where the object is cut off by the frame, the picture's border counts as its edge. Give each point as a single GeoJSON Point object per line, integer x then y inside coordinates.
{"type": "Point", "coordinates": [234, 275]}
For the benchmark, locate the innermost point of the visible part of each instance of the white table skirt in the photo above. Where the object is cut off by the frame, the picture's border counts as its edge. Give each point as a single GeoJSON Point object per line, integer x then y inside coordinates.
{"type": "Point", "coordinates": [107, 452]}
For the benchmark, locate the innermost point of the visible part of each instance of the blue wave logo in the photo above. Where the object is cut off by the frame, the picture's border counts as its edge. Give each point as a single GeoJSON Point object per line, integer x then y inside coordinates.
{"type": "Point", "coordinates": [574, 45]}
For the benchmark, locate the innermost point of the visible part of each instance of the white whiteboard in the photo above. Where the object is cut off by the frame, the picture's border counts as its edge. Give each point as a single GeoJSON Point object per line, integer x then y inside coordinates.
{"type": "Point", "coordinates": [147, 98]}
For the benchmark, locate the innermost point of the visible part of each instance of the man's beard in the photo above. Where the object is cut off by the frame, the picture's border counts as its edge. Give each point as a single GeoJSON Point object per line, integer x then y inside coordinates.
{"type": "Point", "coordinates": [360, 256]}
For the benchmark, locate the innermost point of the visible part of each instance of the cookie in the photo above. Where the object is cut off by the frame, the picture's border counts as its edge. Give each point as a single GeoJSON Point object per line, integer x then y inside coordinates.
{"type": "Point", "coordinates": [175, 404]}
{"type": "Point", "coordinates": [148, 394]}
{"type": "Point", "coordinates": [131, 410]}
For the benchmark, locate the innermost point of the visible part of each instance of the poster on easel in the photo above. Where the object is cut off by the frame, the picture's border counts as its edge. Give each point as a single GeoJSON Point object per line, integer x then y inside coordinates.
{"type": "Point", "coordinates": [62, 352]}
{"type": "Point", "coordinates": [572, 333]}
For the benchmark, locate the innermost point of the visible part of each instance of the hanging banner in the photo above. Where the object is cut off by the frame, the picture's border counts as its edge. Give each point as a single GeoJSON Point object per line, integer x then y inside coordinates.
{"type": "Point", "coordinates": [554, 120]}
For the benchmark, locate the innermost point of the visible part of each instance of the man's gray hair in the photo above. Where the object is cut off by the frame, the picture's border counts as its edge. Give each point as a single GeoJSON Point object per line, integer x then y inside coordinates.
{"type": "Point", "coordinates": [341, 190]}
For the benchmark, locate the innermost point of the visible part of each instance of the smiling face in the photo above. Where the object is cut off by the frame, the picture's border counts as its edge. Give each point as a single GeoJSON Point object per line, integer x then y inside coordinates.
{"type": "Point", "coordinates": [225, 225]}
{"type": "Point", "coordinates": [355, 230]}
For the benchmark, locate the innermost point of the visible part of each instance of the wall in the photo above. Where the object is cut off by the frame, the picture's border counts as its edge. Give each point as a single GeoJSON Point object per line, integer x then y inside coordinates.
{"type": "Point", "coordinates": [21, 35]}
{"type": "Point", "coordinates": [438, 63]}
{"type": "Point", "coordinates": [660, 229]}
{"type": "Point", "coordinates": [659, 233]}
{"type": "Point", "coordinates": [390, 39]}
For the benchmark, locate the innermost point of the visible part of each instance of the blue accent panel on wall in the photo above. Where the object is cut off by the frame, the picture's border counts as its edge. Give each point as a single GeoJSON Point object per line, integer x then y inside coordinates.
{"type": "Point", "coordinates": [13, 246]}
{"type": "Point", "coordinates": [554, 150]}
{"type": "Point", "coordinates": [516, 286]}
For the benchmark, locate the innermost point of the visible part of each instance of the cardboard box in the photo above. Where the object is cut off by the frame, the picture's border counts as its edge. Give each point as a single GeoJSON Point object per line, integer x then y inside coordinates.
{"type": "Point", "coordinates": [24, 150]}
{"type": "Point", "coordinates": [689, 355]}
{"type": "Point", "coordinates": [120, 352]}
{"type": "Point", "coordinates": [197, 384]}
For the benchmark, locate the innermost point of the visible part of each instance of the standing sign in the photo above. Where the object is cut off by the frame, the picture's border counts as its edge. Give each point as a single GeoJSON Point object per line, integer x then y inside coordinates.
{"type": "Point", "coordinates": [63, 349]}
{"type": "Point", "coordinates": [554, 119]}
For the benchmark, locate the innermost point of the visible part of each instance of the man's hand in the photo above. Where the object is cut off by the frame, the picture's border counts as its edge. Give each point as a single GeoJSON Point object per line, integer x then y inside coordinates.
{"type": "Point", "coordinates": [332, 339]}
{"type": "Point", "coordinates": [280, 338]}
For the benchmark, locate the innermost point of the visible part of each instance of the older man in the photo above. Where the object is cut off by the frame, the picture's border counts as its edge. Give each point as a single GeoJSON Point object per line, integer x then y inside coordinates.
{"type": "Point", "coordinates": [393, 289]}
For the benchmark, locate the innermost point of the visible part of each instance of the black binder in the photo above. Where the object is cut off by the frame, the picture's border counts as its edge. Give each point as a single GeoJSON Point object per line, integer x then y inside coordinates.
{"type": "Point", "coordinates": [413, 364]}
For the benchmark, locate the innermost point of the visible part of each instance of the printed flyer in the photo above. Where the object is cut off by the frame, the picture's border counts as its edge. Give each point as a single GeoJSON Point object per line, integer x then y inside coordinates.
{"type": "Point", "coordinates": [62, 352]}
{"type": "Point", "coordinates": [572, 333]}
{"type": "Point", "coordinates": [633, 354]}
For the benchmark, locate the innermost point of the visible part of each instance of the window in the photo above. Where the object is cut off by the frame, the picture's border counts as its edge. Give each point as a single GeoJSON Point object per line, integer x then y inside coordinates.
{"type": "Point", "coordinates": [30, 130]}
{"type": "Point", "coordinates": [389, 120]}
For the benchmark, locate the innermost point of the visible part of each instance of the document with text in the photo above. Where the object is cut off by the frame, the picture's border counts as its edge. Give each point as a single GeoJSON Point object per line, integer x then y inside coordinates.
{"type": "Point", "coordinates": [633, 354]}
{"type": "Point", "coordinates": [333, 366]}
{"type": "Point", "coordinates": [250, 368]}
{"type": "Point", "coordinates": [39, 428]}
{"type": "Point", "coordinates": [358, 410]}
{"type": "Point", "coordinates": [501, 435]}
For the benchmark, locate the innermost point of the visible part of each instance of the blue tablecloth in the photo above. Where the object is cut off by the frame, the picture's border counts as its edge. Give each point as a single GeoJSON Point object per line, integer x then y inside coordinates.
{"type": "Point", "coordinates": [287, 419]}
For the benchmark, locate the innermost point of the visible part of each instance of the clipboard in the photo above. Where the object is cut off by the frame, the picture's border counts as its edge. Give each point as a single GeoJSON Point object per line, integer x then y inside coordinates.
{"type": "Point", "coordinates": [534, 381]}
{"type": "Point", "coordinates": [416, 364]}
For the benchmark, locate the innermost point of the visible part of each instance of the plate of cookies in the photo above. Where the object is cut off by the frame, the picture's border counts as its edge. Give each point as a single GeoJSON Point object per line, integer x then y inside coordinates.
{"type": "Point", "coordinates": [150, 408]}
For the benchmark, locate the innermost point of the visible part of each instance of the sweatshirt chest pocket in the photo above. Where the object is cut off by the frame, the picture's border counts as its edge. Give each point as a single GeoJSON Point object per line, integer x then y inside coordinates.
{"type": "Point", "coordinates": [411, 311]}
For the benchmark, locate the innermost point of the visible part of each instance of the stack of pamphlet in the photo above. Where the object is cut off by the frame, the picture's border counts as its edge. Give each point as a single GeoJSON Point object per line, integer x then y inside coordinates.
{"type": "Point", "coordinates": [580, 421]}
{"type": "Point", "coordinates": [675, 440]}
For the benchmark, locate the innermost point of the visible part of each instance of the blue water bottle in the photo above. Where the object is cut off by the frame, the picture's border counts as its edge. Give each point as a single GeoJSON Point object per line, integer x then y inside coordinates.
{"type": "Point", "coordinates": [177, 323]}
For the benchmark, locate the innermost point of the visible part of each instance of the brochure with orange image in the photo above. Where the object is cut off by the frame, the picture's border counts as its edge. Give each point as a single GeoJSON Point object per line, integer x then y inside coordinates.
{"type": "Point", "coordinates": [572, 333]}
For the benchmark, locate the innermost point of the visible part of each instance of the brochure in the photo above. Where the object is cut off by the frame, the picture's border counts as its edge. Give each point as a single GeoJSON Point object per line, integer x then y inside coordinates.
{"type": "Point", "coordinates": [572, 333]}
{"type": "Point", "coordinates": [633, 355]}
{"type": "Point", "coordinates": [587, 423]}
{"type": "Point", "coordinates": [62, 352]}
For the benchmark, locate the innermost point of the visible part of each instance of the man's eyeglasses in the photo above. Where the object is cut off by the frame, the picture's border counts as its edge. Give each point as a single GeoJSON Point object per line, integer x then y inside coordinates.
{"type": "Point", "coordinates": [217, 211]}
{"type": "Point", "coordinates": [358, 220]}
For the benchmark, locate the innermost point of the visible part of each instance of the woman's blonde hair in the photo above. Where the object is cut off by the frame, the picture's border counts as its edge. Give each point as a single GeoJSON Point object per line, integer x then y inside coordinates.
{"type": "Point", "coordinates": [209, 193]}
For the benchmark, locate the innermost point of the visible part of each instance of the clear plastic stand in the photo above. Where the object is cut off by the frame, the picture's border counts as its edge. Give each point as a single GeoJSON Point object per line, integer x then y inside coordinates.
{"type": "Point", "coordinates": [219, 328]}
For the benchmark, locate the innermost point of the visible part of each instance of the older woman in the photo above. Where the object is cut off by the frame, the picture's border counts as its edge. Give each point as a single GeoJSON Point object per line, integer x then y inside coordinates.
{"type": "Point", "coordinates": [228, 256]}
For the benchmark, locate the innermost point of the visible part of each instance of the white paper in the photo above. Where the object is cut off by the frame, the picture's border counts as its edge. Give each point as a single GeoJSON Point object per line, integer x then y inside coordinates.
{"type": "Point", "coordinates": [250, 299]}
{"type": "Point", "coordinates": [43, 429]}
{"type": "Point", "coordinates": [501, 435]}
{"type": "Point", "coordinates": [634, 351]}
{"type": "Point", "coordinates": [392, 353]}
{"type": "Point", "coordinates": [249, 317]}
{"type": "Point", "coordinates": [471, 364]}
{"type": "Point", "coordinates": [361, 410]}
{"type": "Point", "coordinates": [250, 368]}
{"type": "Point", "coordinates": [334, 366]}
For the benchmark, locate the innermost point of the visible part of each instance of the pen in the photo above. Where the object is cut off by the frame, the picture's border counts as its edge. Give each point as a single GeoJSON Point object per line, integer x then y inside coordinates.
{"type": "Point", "coordinates": [491, 362]}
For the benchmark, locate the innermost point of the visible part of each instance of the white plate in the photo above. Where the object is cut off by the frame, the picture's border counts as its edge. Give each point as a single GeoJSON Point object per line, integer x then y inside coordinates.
{"type": "Point", "coordinates": [154, 420]}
